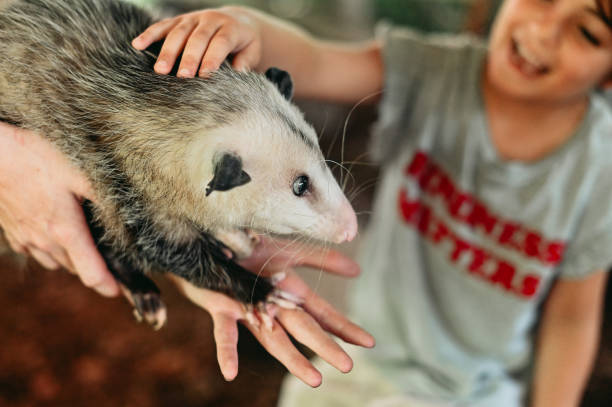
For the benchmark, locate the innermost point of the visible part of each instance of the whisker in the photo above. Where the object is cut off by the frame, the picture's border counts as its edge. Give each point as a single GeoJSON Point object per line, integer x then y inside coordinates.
{"type": "Point", "coordinates": [362, 100]}
{"type": "Point", "coordinates": [348, 171]}
{"type": "Point", "coordinates": [362, 188]}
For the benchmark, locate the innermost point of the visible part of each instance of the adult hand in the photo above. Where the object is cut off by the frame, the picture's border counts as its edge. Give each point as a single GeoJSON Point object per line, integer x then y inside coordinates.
{"type": "Point", "coordinates": [308, 324]}
{"type": "Point", "coordinates": [40, 211]}
{"type": "Point", "coordinates": [206, 38]}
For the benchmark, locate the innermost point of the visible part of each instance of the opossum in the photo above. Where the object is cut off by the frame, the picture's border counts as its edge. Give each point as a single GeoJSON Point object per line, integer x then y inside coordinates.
{"type": "Point", "coordinates": [186, 171]}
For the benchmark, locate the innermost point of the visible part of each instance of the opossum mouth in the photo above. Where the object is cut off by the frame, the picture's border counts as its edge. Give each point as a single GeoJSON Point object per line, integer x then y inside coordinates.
{"type": "Point", "coordinates": [296, 238]}
{"type": "Point", "coordinates": [290, 238]}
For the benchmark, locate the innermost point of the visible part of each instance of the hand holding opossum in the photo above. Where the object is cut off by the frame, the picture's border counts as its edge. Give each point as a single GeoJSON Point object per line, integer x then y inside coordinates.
{"type": "Point", "coordinates": [308, 323]}
{"type": "Point", "coordinates": [208, 37]}
{"type": "Point", "coordinates": [40, 212]}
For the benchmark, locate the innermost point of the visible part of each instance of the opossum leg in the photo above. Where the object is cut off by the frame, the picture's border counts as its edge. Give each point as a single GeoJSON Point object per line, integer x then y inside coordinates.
{"type": "Point", "coordinates": [139, 289]}
{"type": "Point", "coordinates": [205, 263]}
{"type": "Point", "coordinates": [142, 293]}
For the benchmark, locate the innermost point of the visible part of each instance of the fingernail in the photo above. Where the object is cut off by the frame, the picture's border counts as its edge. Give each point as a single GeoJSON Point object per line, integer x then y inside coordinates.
{"type": "Point", "coordinates": [106, 290]}
{"type": "Point", "coordinates": [230, 374]}
{"type": "Point", "coordinates": [347, 365]}
{"type": "Point", "coordinates": [315, 379]}
{"type": "Point", "coordinates": [161, 65]}
{"type": "Point", "coordinates": [184, 72]}
{"type": "Point", "coordinates": [367, 340]}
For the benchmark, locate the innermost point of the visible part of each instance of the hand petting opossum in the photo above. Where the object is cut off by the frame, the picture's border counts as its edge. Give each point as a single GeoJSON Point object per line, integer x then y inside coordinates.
{"type": "Point", "coordinates": [187, 172]}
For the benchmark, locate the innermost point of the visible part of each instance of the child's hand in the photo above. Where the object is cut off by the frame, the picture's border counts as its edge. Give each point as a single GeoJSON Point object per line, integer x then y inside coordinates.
{"type": "Point", "coordinates": [307, 325]}
{"type": "Point", "coordinates": [206, 38]}
{"type": "Point", "coordinates": [40, 211]}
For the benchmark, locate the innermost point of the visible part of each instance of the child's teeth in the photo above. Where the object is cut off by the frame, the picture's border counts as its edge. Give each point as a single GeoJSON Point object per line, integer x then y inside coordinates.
{"type": "Point", "coordinates": [529, 58]}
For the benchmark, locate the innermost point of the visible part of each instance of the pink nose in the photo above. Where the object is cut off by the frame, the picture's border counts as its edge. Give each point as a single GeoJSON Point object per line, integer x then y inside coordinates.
{"type": "Point", "coordinates": [348, 225]}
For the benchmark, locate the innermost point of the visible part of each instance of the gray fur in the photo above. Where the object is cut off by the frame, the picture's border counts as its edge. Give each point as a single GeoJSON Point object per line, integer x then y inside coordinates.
{"type": "Point", "coordinates": [68, 72]}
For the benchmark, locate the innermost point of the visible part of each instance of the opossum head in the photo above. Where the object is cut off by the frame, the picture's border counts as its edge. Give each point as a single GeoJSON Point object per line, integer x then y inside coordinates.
{"type": "Point", "coordinates": [262, 169]}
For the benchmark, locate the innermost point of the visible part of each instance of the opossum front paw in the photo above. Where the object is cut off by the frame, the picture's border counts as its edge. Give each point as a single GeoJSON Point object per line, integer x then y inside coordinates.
{"type": "Point", "coordinates": [285, 299]}
{"type": "Point", "coordinates": [149, 308]}
{"type": "Point", "coordinates": [264, 311]}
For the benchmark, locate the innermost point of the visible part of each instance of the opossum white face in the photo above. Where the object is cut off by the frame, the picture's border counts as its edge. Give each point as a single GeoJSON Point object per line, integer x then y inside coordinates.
{"type": "Point", "coordinates": [266, 172]}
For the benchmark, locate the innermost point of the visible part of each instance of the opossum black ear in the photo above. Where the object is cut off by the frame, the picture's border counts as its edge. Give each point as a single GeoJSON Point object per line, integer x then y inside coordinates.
{"type": "Point", "coordinates": [282, 80]}
{"type": "Point", "coordinates": [228, 174]}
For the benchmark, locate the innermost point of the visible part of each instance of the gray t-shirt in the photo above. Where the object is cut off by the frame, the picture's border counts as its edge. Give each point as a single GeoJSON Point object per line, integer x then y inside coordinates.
{"type": "Point", "coordinates": [464, 245]}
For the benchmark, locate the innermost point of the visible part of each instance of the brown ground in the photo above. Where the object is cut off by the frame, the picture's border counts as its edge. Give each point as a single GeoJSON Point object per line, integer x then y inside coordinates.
{"type": "Point", "coordinates": [64, 345]}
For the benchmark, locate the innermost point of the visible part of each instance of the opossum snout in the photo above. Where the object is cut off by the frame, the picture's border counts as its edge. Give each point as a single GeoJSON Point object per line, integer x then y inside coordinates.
{"type": "Point", "coordinates": [347, 222]}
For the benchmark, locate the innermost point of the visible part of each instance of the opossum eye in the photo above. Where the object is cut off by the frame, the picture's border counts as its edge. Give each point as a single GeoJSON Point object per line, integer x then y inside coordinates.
{"type": "Point", "coordinates": [300, 185]}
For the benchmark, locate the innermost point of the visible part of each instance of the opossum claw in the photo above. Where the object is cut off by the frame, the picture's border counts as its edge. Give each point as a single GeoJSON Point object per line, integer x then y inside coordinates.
{"type": "Point", "coordinates": [150, 308]}
{"type": "Point", "coordinates": [267, 319]}
{"type": "Point", "coordinates": [250, 316]}
{"type": "Point", "coordinates": [289, 296]}
{"type": "Point", "coordinates": [285, 299]}
{"type": "Point", "coordinates": [143, 294]}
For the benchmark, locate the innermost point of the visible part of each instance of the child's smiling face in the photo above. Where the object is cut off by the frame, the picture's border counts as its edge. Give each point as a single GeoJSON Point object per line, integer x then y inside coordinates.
{"type": "Point", "coordinates": [550, 50]}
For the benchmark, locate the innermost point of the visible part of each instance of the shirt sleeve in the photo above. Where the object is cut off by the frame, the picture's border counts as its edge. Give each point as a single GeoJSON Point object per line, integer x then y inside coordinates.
{"type": "Point", "coordinates": [419, 69]}
{"type": "Point", "coordinates": [591, 248]}
{"type": "Point", "coordinates": [402, 52]}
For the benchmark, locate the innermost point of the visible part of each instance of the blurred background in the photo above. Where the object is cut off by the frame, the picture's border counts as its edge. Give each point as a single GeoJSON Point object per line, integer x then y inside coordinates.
{"type": "Point", "coordinates": [63, 345]}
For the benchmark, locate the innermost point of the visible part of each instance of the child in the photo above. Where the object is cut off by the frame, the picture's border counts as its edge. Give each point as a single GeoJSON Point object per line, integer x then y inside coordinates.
{"type": "Point", "coordinates": [484, 268]}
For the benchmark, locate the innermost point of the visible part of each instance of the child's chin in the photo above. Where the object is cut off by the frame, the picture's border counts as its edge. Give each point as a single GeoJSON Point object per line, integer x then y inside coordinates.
{"type": "Point", "coordinates": [518, 89]}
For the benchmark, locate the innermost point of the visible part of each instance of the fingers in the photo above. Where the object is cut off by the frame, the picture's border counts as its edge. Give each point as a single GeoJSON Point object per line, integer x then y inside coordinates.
{"type": "Point", "coordinates": [82, 189]}
{"type": "Point", "coordinates": [154, 33]}
{"type": "Point", "coordinates": [85, 258]}
{"type": "Point", "coordinates": [60, 255]}
{"type": "Point", "coordinates": [43, 258]}
{"type": "Point", "coordinates": [331, 261]}
{"type": "Point", "coordinates": [248, 57]}
{"type": "Point", "coordinates": [173, 45]}
{"type": "Point", "coordinates": [47, 254]}
{"type": "Point", "coordinates": [195, 48]}
{"type": "Point", "coordinates": [225, 313]}
{"type": "Point", "coordinates": [15, 245]}
{"type": "Point", "coordinates": [279, 254]}
{"type": "Point", "coordinates": [308, 332]}
{"type": "Point", "coordinates": [220, 46]}
{"type": "Point", "coordinates": [226, 338]}
{"type": "Point", "coordinates": [277, 343]}
{"type": "Point", "coordinates": [206, 39]}
{"type": "Point", "coordinates": [327, 316]}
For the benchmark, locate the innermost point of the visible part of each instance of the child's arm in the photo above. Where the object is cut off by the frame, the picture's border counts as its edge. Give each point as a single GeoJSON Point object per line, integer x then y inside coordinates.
{"type": "Point", "coordinates": [320, 69]}
{"type": "Point", "coordinates": [568, 340]}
